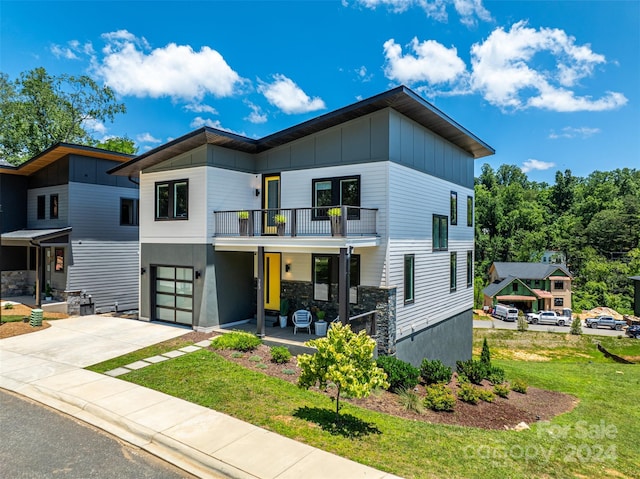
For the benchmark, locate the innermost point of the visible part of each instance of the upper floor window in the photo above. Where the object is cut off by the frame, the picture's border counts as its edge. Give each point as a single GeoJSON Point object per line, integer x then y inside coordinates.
{"type": "Point", "coordinates": [440, 233]}
{"type": "Point", "coordinates": [172, 200]}
{"type": "Point", "coordinates": [469, 210]}
{"type": "Point", "coordinates": [469, 269]}
{"type": "Point", "coordinates": [129, 211]}
{"type": "Point", "coordinates": [558, 285]}
{"type": "Point", "coordinates": [454, 208]}
{"type": "Point", "coordinates": [53, 206]}
{"type": "Point", "coordinates": [41, 207]}
{"type": "Point", "coordinates": [453, 279]}
{"type": "Point", "coordinates": [514, 287]}
{"type": "Point", "coordinates": [328, 192]}
{"type": "Point", "coordinates": [409, 278]}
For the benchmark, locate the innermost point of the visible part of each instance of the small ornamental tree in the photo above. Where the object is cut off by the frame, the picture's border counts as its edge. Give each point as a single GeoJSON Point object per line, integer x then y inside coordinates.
{"type": "Point", "coordinates": [345, 359]}
{"type": "Point", "coordinates": [485, 355]}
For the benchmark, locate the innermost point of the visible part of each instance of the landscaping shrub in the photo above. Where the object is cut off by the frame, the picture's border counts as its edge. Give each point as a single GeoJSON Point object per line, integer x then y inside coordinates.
{"type": "Point", "coordinates": [522, 324]}
{"type": "Point", "coordinates": [237, 340]}
{"type": "Point", "coordinates": [501, 390]}
{"type": "Point", "coordinates": [439, 398]}
{"type": "Point", "coordinates": [8, 306]}
{"type": "Point", "coordinates": [469, 393]}
{"type": "Point", "coordinates": [519, 386]}
{"type": "Point", "coordinates": [485, 355]}
{"type": "Point", "coordinates": [435, 372]}
{"type": "Point", "coordinates": [471, 370]}
{"type": "Point", "coordinates": [486, 395]}
{"type": "Point", "coordinates": [576, 326]}
{"type": "Point", "coordinates": [410, 400]}
{"type": "Point", "coordinates": [400, 374]}
{"type": "Point", "coordinates": [495, 375]}
{"type": "Point", "coordinates": [280, 354]}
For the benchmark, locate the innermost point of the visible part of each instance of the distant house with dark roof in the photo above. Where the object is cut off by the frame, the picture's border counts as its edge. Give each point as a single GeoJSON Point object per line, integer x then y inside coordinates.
{"type": "Point", "coordinates": [529, 286]}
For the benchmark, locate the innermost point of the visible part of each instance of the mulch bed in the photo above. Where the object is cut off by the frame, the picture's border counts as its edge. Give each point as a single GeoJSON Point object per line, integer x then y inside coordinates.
{"type": "Point", "coordinates": [535, 405]}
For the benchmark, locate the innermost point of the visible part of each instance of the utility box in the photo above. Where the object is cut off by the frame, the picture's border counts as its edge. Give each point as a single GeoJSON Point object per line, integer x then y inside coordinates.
{"type": "Point", "coordinates": [87, 306]}
{"type": "Point", "coordinates": [36, 317]}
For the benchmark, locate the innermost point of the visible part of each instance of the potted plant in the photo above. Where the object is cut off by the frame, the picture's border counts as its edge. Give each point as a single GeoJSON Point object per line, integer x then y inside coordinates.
{"type": "Point", "coordinates": [48, 292]}
{"type": "Point", "coordinates": [284, 312]}
{"type": "Point", "coordinates": [280, 221]}
{"type": "Point", "coordinates": [243, 221]}
{"type": "Point", "coordinates": [335, 217]}
{"type": "Point", "coordinates": [321, 324]}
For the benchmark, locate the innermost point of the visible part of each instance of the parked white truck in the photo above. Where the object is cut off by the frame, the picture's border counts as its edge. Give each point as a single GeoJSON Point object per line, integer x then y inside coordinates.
{"type": "Point", "coordinates": [550, 317]}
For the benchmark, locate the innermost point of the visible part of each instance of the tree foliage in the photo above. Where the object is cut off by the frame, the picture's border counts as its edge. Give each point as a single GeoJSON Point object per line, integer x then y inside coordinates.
{"type": "Point", "coordinates": [594, 222]}
{"type": "Point", "coordinates": [344, 359]}
{"type": "Point", "coordinates": [38, 110]}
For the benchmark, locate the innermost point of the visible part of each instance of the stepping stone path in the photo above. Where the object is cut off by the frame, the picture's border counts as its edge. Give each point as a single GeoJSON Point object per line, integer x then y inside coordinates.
{"type": "Point", "coordinates": [143, 363]}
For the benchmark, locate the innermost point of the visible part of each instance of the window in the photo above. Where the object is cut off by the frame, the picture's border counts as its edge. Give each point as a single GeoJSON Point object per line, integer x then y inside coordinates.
{"type": "Point", "coordinates": [129, 211]}
{"type": "Point", "coordinates": [409, 278]}
{"type": "Point", "coordinates": [453, 281]}
{"type": "Point", "coordinates": [558, 285]}
{"type": "Point", "coordinates": [454, 208]}
{"type": "Point", "coordinates": [41, 202]}
{"type": "Point", "coordinates": [514, 287]}
{"type": "Point", "coordinates": [59, 255]}
{"type": "Point", "coordinates": [558, 301]}
{"type": "Point", "coordinates": [172, 200]}
{"type": "Point", "coordinates": [53, 206]}
{"type": "Point", "coordinates": [469, 269]}
{"type": "Point", "coordinates": [469, 210]}
{"type": "Point", "coordinates": [326, 270]}
{"type": "Point", "coordinates": [329, 192]}
{"type": "Point", "coordinates": [440, 233]}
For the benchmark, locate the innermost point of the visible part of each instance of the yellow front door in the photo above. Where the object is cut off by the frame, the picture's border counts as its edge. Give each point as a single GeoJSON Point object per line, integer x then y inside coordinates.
{"type": "Point", "coordinates": [272, 275]}
{"type": "Point", "coordinates": [271, 201]}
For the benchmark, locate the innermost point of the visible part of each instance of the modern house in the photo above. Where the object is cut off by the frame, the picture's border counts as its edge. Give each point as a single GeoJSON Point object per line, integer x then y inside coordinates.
{"type": "Point", "coordinates": [529, 286]}
{"type": "Point", "coordinates": [69, 227]}
{"type": "Point", "coordinates": [231, 225]}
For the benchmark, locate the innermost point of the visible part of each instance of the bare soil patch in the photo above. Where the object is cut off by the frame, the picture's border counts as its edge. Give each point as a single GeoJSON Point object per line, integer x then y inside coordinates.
{"type": "Point", "coordinates": [17, 328]}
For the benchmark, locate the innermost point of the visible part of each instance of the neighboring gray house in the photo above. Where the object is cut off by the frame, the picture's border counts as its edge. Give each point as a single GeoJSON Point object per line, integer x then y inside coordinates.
{"type": "Point", "coordinates": [402, 173]}
{"type": "Point", "coordinates": [68, 224]}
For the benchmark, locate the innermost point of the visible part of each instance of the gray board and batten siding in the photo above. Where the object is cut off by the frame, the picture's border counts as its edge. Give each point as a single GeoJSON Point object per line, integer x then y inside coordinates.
{"type": "Point", "coordinates": [385, 135]}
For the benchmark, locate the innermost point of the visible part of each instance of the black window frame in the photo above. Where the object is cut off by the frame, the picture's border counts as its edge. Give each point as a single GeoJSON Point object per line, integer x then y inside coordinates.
{"type": "Point", "coordinates": [58, 255]}
{"type": "Point", "coordinates": [409, 266]}
{"type": "Point", "coordinates": [469, 210]}
{"type": "Point", "coordinates": [171, 185]}
{"type": "Point", "coordinates": [469, 269]}
{"type": "Point", "coordinates": [440, 221]}
{"type": "Point", "coordinates": [334, 273]}
{"type": "Point", "coordinates": [336, 197]}
{"type": "Point", "coordinates": [135, 212]}
{"type": "Point", "coordinates": [559, 302]}
{"type": "Point", "coordinates": [515, 288]}
{"type": "Point", "coordinates": [54, 206]}
{"type": "Point", "coordinates": [557, 282]}
{"type": "Point", "coordinates": [41, 212]}
{"type": "Point", "coordinates": [454, 208]}
{"type": "Point", "coordinates": [453, 271]}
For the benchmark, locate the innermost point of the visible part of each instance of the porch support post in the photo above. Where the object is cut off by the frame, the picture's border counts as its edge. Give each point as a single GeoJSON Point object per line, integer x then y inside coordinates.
{"type": "Point", "coordinates": [260, 291]}
{"type": "Point", "coordinates": [343, 285]}
{"type": "Point", "coordinates": [38, 276]}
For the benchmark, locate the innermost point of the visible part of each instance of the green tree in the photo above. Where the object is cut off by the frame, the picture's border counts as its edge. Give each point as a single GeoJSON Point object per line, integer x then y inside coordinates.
{"type": "Point", "coordinates": [344, 359]}
{"type": "Point", "coordinates": [38, 110]}
{"type": "Point", "coordinates": [120, 144]}
{"type": "Point", "coordinates": [485, 355]}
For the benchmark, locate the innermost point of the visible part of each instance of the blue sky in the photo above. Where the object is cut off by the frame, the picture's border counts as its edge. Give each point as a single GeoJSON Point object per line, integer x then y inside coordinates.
{"type": "Point", "coordinates": [550, 85]}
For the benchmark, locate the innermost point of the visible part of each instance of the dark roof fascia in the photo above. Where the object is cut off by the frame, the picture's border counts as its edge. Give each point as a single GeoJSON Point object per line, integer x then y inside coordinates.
{"type": "Point", "coordinates": [439, 122]}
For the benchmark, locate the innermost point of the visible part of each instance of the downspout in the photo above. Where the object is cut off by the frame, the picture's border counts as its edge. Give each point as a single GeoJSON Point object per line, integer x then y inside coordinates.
{"type": "Point", "coordinates": [133, 181]}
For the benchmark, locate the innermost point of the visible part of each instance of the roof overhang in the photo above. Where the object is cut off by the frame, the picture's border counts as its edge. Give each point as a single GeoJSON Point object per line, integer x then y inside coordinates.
{"type": "Point", "coordinates": [44, 237]}
{"type": "Point", "coordinates": [401, 99]}
{"type": "Point", "coordinates": [542, 293]}
{"type": "Point", "coordinates": [516, 297]}
{"type": "Point", "coordinates": [294, 245]}
{"type": "Point", "coordinates": [60, 150]}
{"type": "Point", "coordinates": [559, 278]}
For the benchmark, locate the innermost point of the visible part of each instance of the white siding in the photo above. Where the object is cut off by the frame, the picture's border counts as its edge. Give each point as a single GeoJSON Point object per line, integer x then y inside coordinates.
{"type": "Point", "coordinates": [63, 207]}
{"type": "Point", "coordinates": [230, 190]}
{"type": "Point", "coordinates": [413, 199]}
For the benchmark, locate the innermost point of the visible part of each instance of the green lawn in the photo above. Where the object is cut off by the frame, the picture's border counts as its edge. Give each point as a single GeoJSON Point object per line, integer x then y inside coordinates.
{"type": "Point", "coordinates": [597, 439]}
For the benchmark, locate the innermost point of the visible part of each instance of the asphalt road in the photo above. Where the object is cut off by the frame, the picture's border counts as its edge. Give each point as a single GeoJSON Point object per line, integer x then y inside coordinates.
{"type": "Point", "coordinates": [37, 442]}
{"type": "Point", "coordinates": [498, 324]}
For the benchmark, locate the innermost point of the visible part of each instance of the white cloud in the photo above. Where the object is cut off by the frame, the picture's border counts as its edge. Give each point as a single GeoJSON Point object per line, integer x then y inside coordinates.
{"type": "Point", "coordinates": [430, 62]}
{"type": "Point", "coordinates": [505, 72]}
{"type": "Point", "coordinates": [470, 11]}
{"type": "Point", "coordinates": [532, 164]}
{"type": "Point", "coordinates": [571, 132]}
{"type": "Point", "coordinates": [363, 74]}
{"type": "Point", "coordinates": [201, 108]}
{"type": "Point", "coordinates": [131, 67]}
{"type": "Point", "coordinates": [256, 115]}
{"type": "Point", "coordinates": [94, 125]}
{"type": "Point", "coordinates": [64, 52]}
{"type": "Point", "coordinates": [289, 97]}
{"type": "Point", "coordinates": [147, 138]}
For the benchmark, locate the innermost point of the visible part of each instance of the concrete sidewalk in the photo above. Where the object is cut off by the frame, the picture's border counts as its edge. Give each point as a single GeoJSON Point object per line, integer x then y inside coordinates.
{"type": "Point", "coordinates": [47, 366]}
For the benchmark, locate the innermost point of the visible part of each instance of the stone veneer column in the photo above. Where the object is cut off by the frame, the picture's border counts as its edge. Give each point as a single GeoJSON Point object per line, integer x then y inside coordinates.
{"type": "Point", "coordinates": [73, 302]}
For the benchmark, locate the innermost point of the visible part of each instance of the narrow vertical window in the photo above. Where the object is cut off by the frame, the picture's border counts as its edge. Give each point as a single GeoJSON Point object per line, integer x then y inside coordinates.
{"type": "Point", "coordinates": [41, 207]}
{"type": "Point", "coordinates": [440, 236]}
{"type": "Point", "coordinates": [469, 269]}
{"type": "Point", "coordinates": [53, 206]}
{"type": "Point", "coordinates": [469, 210]}
{"type": "Point", "coordinates": [454, 271]}
{"type": "Point", "coordinates": [409, 278]}
{"type": "Point", "coordinates": [59, 255]}
{"type": "Point", "coordinates": [128, 211]}
{"type": "Point", "coordinates": [454, 208]}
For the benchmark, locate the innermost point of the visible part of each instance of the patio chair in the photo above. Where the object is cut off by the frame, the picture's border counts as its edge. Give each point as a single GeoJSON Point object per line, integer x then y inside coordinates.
{"type": "Point", "coordinates": [301, 319]}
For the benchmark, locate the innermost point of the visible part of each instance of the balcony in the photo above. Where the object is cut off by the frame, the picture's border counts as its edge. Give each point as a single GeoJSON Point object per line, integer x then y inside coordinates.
{"type": "Point", "coordinates": [354, 226]}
